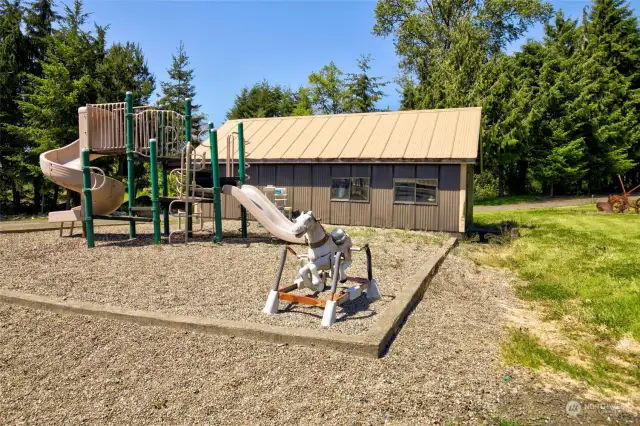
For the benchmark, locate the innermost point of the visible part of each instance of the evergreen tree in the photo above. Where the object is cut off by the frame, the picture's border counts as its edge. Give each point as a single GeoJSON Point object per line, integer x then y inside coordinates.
{"type": "Point", "coordinates": [613, 35]}
{"type": "Point", "coordinates": [123, 69]}
{"type": "Point", "coordinates": [363, 91]}
{"type": "Point", "coordinates": [50, 104]}
{"type": "Point", "coordinates": [180, 87]}
{"type": "Point", "coordinates": [39, 22]}
{"type": "Point", "coordinates": [303, 105]}
{"type": "Point", "coordinates": [13, 63]}
{"type": "Point", "coordinates": [265, 100]}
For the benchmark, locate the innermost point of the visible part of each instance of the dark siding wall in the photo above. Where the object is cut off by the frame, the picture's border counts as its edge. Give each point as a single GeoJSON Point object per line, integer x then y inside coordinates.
{"type": "Point", "coordinates": [449, 198]}
{"type": "Point", "coordinates": [361, 212]}
{"type": "Point", "coordinates": [382, 196]}
{"type": "Point", "coordinates": [427, 216]}
{"type": "Point", "coordinates": [340, 210]}
{"type": "Point", "coordinates": [303, 187]}
{"type": "Point", "coordinates": [404, 215]}
{"type": "Point", "coordinates": [321, 176]}
{"type": "Point", "coordinates": [308, 187]}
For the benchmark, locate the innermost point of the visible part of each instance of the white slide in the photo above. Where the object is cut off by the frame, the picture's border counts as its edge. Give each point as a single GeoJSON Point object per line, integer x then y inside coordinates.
{"type": "Point", "coordinates": [265, 212]}
{"type": "Point", "coordinates": [63, 167]}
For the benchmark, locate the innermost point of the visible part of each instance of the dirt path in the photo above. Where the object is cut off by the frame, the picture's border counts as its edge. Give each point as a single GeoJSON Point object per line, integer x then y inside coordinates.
{"type": "Point", "coordinates": [542, 204]}
{"type": "Point", "coordinates": [443, 367]}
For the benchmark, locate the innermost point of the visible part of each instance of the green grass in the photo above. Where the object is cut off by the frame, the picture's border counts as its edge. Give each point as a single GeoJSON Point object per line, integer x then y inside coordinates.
{"type": "Point", "coordinates": [508, 199]}
{"type": "Point", "coordinates": [579, 265]}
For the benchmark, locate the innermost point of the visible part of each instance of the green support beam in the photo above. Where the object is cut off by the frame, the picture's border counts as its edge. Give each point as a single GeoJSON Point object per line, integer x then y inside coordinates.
{"type": "Point", "coordinates": [155, 207]}
{"type": "Point", "coordinates": [88, 199]}
{"type": "Point", "coordinates": [215, 172]}
{"type": "Point", "coordinates": [243, 211]}
{"type": "Point", "coordinates": [131, 177]}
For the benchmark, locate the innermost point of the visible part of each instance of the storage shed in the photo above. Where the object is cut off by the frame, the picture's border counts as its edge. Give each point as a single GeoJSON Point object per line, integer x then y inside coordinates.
{"type": "Point", "coordinates": [404, 169]}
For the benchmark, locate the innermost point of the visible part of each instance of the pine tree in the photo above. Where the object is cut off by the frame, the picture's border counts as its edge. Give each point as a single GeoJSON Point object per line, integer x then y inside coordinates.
{"type": "Point", "coordinates": [181, 87]}
{"type": "Point", "coordinates": [265, 100]}
{"type": "Point", "coordinates": [613, 35]}
{"type": "Point", "coordinates": [39, 26]}
{"type": "Point", "coordinates": [13, 63]}
{"type": "Point", "coordinates": [123, 69]}
{"type": "Point", "coordinates": [362, 90]}
{"type": "Point", "coordinates": [51, 101]}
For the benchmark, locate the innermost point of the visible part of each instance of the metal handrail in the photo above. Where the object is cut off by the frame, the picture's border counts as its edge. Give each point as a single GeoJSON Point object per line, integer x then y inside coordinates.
{"type": "Point", "coordinates": [104, 178]}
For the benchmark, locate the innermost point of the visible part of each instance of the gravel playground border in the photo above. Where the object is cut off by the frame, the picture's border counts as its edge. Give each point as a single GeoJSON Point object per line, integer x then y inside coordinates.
{"type": "Point", "coordinates": [373, 343]}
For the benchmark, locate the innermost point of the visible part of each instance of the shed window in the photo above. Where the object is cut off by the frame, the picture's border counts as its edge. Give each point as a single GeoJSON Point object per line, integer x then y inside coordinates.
{"type": "Point", "coordinates": [415, 191]}
{"type": "Point", "coordinates": [350, 189]}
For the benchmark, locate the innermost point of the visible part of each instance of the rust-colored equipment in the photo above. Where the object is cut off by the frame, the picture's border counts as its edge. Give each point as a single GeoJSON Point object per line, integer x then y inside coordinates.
{"type": "Point", "coordinates": [620, 203]}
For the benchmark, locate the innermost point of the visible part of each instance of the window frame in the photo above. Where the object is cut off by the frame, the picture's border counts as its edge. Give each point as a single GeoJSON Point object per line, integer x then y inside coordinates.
{"type": "Point", "coordinates": [415, 181]}
{"type": "Point", "coordinates": [349, 200]}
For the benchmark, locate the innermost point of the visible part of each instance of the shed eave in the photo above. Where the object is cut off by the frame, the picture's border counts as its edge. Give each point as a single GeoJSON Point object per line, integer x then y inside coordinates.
{"type": "Point", "coordinates": [361, 161]}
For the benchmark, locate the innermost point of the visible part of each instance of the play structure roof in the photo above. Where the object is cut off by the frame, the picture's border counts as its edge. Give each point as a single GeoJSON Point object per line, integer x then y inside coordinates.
{"type": "Point", "coordinates": [444, 135]}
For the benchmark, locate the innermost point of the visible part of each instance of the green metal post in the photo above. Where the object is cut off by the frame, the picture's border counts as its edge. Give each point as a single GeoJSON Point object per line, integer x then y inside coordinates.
{"type": "Point", "coordinates": [215, 172]}
{"type": "Point", "coordinates": [165, 183]}
{"type": "Point", "coordinates": [88, 199]}
{"type": "Point", "coordinates": [155, 208]}
{"type": "Point", "coordinates": [131, 187]}
{"type": "Point", "coordinates": [187, 131]}
{"type": "Point", "coordinates": [243, 211]}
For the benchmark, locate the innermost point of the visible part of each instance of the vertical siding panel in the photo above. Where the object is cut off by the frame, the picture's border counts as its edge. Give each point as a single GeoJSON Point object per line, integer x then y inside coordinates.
{"type": "Point", "coordinates": [340, 210]}
{"type": "Point", "coordinates": [361, 211]}
{"type": "Point", "coordinates": [449, 197]}
{"type": "Point", "coordinates": [427, 216]}
{"type": "Point", "coordinates": [469, 211]}
{"type": "Point", "coordinates": [404, 215]}
{"type": "Point", "coordinates": [284, 179]}
{"type": "Point", "coordinates": [302, 187]}
{"type": "Point", "coordinates": [321, 181]}
{"type": "Point", "coordinates": [382, 195]}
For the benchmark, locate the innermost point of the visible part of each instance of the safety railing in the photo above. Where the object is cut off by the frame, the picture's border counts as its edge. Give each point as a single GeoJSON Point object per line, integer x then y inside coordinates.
{"type": "Point", "coordinates": [105, 129]}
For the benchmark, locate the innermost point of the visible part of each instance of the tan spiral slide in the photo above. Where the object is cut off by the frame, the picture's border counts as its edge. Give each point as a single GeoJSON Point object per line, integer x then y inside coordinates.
{"type": "Point", "coordinates": [63, 167]}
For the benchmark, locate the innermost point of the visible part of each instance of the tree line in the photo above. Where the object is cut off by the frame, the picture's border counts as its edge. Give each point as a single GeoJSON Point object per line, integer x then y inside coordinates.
{"type": "Point", "coordinates": [50, 65]}
{"type": "Point", "coordinates": [559, 115]}
{"type": "Point", "coordinates": [329, 91]}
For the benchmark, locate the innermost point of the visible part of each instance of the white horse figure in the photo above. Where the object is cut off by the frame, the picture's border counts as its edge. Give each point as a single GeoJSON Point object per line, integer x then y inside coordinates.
{"type": "Point", "coordinates": [322, 250]}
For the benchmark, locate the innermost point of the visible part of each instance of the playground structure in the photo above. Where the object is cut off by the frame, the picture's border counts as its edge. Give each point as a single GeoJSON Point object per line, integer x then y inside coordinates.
{"type": "Point", "coordinates": [163, 138]}
{"type": "Point", "coordinates": [148, 134]}
{"type": "Point", "coordinates": [620, 203]}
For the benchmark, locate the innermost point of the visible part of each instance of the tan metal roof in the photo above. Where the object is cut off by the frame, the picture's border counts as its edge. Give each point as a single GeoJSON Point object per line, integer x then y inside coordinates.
{"type": "Point", "coordinates": [446, 135]}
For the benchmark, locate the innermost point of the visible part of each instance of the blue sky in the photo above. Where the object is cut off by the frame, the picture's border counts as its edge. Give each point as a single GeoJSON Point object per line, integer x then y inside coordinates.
{"type": "Point", "coordinates": [232, 44]}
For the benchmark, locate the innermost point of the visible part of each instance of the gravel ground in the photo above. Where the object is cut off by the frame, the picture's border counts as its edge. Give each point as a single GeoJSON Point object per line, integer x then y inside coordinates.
{"type": "Point", "coordinates": [229, 281]}
{"type": "Point", "coordinates": [443, 367]}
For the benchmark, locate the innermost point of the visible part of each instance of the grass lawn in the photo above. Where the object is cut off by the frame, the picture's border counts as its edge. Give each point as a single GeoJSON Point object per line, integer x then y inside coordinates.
{"type": "Point", "coordinates": [581, 271]}
{"type": "Point", "coordinates": [507, 199]}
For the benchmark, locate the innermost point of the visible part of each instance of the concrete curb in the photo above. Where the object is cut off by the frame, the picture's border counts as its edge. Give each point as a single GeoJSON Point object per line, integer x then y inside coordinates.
{"type": "Point", "coordinates": [387, 326]}
{"type": "Point", "coordinates": [56, 227]}
{"type": "Point", "coordinates": [372, 344]}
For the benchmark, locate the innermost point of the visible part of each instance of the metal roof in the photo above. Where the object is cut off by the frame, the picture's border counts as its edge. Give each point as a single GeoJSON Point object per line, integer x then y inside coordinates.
{"type": "Point", "coordinates": [444, 135]}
